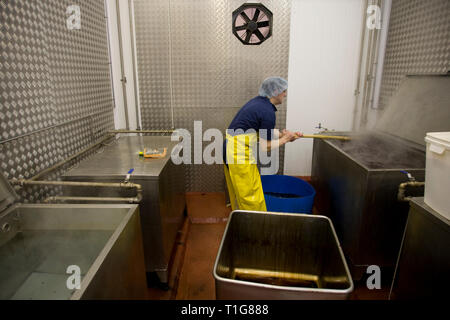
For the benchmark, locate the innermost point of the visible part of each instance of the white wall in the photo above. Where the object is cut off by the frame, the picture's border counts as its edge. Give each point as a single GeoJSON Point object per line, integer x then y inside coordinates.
{"type": "Point", "coordinates": [128, 62]}
{"type": "Point", "coordinates": [323, 68]}
{"type": "Point", "coordinates": [119, 111]}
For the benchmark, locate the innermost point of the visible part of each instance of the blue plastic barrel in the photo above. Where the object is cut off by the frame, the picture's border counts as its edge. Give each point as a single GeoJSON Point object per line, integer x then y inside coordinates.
{"type": "Point", "coordinates": [287, 194]}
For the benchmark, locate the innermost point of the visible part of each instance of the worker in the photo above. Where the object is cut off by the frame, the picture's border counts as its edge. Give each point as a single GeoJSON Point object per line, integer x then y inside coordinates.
{"type": "Point", "coordinates": [254, 123]}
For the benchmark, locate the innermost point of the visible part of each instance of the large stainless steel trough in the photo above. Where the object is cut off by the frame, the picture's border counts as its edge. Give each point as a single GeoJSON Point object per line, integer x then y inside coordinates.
{"type": "Point", "coordinates": [268, 255]}
{"type": "Point", "coordinates": [39, 242]}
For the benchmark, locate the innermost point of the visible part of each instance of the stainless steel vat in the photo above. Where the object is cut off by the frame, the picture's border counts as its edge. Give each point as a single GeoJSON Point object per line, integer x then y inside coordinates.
{"type": "Point", "coordinates": [357, 181]}
{"type": "Point", "coordinates": [424, 259]}
{"type": "Point", "coordinates": [268, 255]}
{"type": "Point", "coordinates": [361, 200]}
{"type": "Point", "coordinates": [163, 203]}
{"type": "Point", "coordinates": [39, 242]}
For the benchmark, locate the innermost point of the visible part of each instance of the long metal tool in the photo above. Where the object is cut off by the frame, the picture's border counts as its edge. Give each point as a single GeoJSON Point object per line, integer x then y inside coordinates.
{"type": "Point", "coordinates": [319, 136]}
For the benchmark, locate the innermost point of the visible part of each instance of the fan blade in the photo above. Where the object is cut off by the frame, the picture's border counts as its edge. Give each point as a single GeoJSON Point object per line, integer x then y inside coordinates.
{"type": "Point", "coordinates": [249, 35]}
{"type": "Point", "coordinates": [243, 27]}
{"type": "Point", "coordinates": [259, 35]}
{"type": "Point", "coordinates": [262, 17]}
{"type": "Point", "coordinates": [263, 24]}
{"type": "Point", "coordinates": [244, 15]}
{"type": "Point", "coordinates": [255, 17]}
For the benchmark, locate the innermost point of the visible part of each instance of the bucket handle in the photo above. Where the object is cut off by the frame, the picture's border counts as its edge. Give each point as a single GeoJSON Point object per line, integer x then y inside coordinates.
{"type": "Point", "coordinates": [437, 149]}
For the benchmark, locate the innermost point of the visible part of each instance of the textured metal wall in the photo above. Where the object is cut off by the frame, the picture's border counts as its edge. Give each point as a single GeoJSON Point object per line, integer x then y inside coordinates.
{"type": "Point", "coordinates": [188, 59]}
{"type": "Point", "coordinates": [55, 85]}
{"type": "Point", "coordinates": [418, 42]}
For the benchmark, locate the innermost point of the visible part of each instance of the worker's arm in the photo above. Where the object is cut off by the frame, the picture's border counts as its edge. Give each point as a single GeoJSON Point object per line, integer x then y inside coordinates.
{"type": "Point", "coordinates": [279, 139]}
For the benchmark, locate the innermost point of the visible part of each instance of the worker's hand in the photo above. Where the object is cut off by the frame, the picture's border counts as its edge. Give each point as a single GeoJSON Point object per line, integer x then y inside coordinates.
{"type": "Point", "coordinates": [289, 136]}
{"type": "Point", "coordinates": [298, 134]}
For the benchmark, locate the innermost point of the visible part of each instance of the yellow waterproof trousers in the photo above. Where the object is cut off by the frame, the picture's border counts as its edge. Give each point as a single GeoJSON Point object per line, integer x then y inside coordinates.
{"type": "Point", "coordinates": [242, 175]}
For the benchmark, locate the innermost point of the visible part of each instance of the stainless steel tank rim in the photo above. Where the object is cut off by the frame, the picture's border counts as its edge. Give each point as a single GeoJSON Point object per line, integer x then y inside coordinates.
{"type": "Point", "coordinates": [92, 271]}
{"type": "Point", "coordinates": [281, 288]}
{"type": "Point", "coordinates": [110, 135]}
{"type": "Point", "coordinates": [365, 167]}
{"type": "Point", "coordinates": [266, 286]}
{"type": "Point", "coordinates": [111, 199]}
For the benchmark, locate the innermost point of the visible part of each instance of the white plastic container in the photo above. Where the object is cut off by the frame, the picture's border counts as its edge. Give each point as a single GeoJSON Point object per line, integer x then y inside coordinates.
{"type": "Point", "coordinates": [437, 172]}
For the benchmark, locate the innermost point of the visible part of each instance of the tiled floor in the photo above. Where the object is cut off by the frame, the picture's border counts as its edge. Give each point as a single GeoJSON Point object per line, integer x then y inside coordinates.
{"type": "Point", "coordinates": [197, 246]}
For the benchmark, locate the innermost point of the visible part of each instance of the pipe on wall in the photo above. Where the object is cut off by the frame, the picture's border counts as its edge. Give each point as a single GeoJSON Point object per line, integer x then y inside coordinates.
{"type": "Point", "coordinates": [59, 164]}
{"type": "Point", "coordinates": [169, 22]}
{"type": "Point", "coordinates": [370, 64]}
{"type": "Point", "coordinates": [141, 131]}
{"type": "Point", "coordinates": [51, 127]}
{"type": "Point", "coordinates": [361, 51]}
{"type": "Point", "coordinates": [133, 54]}
{"type": "Point", "coordinates": [402, 190]}
{"type": "Point", "coordinates": [127, 185]}
{"type": "Point", "coordinates": [369, 70]}
{"type": "Point", "coordinates": [386, 9]}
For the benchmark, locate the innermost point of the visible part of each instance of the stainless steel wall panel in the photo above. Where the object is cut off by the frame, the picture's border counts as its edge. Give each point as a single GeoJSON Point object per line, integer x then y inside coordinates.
{"type": "Point", "coordinates": [51, 80]}
{"type": "Point", "coordinates": [205, 178]}
{"type": "Point", "coordinates": [75, 136]}
{"type": "Point", "coordinates": [23, 158]}
{"type": "Point", "coordinates": [152, 51]}
{"type": "Point", "coordinates": [78, 59]}
{"type": "Point", "coordinates": [102, 122]}
{"type": "Point", "coordinates": [155, 118]}
{"type": "Point", "coordinates": [418, 42]}
{"type": "Point", "coordinates": [25, 99]}
{"type": "Point", "coordinates": [211, 117]}
{"type": "Point", "coordinates": [189, 60]}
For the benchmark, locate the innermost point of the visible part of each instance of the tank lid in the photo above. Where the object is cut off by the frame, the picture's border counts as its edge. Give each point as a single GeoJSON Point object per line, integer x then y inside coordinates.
{"type": "Point", "coordinates": [7, 194]}
{"type": "Point", "coordinates": [420, 105]}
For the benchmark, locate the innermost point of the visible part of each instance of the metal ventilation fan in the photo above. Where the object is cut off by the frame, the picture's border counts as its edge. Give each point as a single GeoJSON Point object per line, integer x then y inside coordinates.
{"type": "Point", "coordinates": [252, 23]}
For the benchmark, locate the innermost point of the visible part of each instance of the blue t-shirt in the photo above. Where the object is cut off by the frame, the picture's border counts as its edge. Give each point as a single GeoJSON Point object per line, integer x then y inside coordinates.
{"type": "Point", "coordinates": [258, 113]}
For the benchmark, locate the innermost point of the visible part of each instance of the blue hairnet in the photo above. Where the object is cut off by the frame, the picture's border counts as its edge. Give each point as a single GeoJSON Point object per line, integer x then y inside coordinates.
{"type": "Point", "coordinates": [271, 87]}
